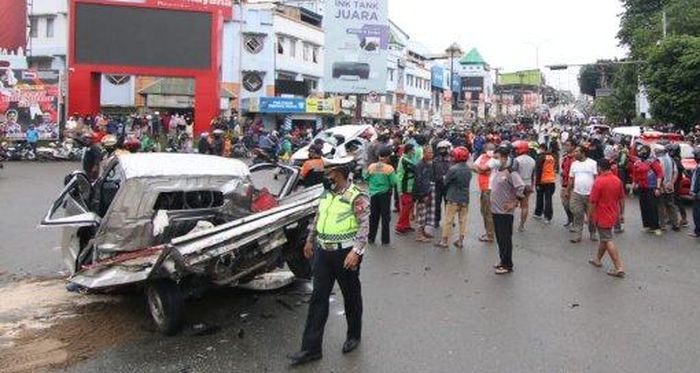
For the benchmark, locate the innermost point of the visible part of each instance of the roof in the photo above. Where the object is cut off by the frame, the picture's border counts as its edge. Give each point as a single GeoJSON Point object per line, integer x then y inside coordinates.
{"type": "Point", "coordinates": [178, 164]}
{"type": "Point", "coordinates": [472, 58]}
{"type": "Point", "coordinates": [177, 87]}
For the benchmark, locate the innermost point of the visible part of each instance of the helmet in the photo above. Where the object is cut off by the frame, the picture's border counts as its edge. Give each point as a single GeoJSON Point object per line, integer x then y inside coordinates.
{"type": "Point", "coordinates": [504, 148]}
{"type": "Point", "coordinates": [444, 144]}
{"type": "Point", "coordinates": [521, 147]}
{"type": "Point", "coordinates": [460, 154]}
{"type": "Point", "coordinates": [218, 132]}
{"type": "Point", "coordinates": [674, 150]}
{"type": "Point", "coordinates": [109, 141]}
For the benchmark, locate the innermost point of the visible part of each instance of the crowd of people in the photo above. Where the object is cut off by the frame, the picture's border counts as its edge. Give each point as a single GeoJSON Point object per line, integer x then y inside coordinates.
{"type": "Point", "coordinates": [425, 174]}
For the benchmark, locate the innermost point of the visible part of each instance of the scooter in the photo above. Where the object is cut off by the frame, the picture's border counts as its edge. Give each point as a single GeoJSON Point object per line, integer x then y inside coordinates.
{"type": "Point", "coordinates": [21, 152]}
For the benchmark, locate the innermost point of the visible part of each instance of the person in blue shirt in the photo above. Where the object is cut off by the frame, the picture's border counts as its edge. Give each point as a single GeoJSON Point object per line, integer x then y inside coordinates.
{"type": "Point", "coordinates": [32, 137]}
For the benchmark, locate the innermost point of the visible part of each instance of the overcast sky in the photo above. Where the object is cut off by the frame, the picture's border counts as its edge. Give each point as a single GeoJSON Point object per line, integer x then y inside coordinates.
{"type": "Point", "coordinates": [505, 31]}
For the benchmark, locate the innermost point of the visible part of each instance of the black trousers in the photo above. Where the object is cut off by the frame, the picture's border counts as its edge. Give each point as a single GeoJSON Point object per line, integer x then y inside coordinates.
{"type": "Point", "coordinates": [380, 210]}
{"type": "Point", "coordinates": [503, 225]}
{"type": "Point", "coordinates": [439, 200]}
{"type": "Point", "coordinates": [328, 268]}
{"type": "Point", "coordinates": [649, 204]}
{"type": "Point", "coordinates": [545, 192]}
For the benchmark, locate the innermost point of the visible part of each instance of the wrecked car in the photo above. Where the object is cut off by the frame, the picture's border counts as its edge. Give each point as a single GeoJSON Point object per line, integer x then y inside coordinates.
{"type": "Point", "coordinates": [174, 224]}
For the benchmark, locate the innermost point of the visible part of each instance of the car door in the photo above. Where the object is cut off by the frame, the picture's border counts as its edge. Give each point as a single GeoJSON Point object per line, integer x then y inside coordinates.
{"type": "Point", "coordinates": [278, 179]}
{"type": "Point", "coordinates": [72, 212]}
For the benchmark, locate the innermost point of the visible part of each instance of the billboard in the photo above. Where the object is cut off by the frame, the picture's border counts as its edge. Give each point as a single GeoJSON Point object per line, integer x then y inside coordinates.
{"type": "Point", "coordinates": [13, 27]}
{"type": "Point", "coordinates": [166, 38]}
{"type": "Point", "coordinates": [278, 105]}
{"type": "Point", "coordinates": [473, 84]}
{"type": "Point", "coordinates": [357, 43]}
{"type": "Point", "coordinates": [320, 105]}
{"type": "Point", "coordinates": [29, 97]}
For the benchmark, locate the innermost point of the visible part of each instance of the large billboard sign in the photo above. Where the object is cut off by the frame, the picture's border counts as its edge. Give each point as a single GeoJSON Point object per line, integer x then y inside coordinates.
{"type": "Point", "coordinates": [357, 44]}
{"type": "Point", "coordinates": [173, 38]}
{"type": "Point", "coordinates": [29, 97]}
{"type": "Point", "coordinates": [13, 27]}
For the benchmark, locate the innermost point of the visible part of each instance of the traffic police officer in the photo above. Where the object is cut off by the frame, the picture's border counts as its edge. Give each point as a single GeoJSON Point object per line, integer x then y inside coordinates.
{"type": "Point", "coordinates": [336, 242]}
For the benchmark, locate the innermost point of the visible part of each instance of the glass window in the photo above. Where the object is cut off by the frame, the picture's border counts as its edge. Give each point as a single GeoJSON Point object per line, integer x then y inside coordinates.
{"type": "Point", "coordinates": [314, 55]}
{"type": "Point", "coordinates": [306, 52]}
{"type": "Point", "coordinates": [292, 48]}
{"type": "Point", "coordinates": [33, 27]}
{"type": "Point", "coordinates": [49, 27]}
{"type": "Point", "coordinates": [252, 82]}
{"type": "Point", "coordinates": [280, 45]}
{"type": "Point", "coordinates": [389, 99]}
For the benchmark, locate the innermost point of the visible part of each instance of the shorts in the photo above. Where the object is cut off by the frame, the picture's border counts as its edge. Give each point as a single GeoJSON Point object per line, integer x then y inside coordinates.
{"type": "Point", "coordinates": [605, 234]}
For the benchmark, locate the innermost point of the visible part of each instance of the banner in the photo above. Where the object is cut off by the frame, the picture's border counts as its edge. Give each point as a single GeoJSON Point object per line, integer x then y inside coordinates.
{"type": "Point", "coordinates": [320, 105]}
{"type": "Point", "coordinates": [282, 105]}
{"type": "Point", "coordinates": [29, 97]}
{"type": "Point", "coordinates": [357, 44]}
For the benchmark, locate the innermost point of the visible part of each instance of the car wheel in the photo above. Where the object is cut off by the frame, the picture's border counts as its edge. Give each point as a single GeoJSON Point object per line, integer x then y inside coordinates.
{"type": "Point", "coordinates": [165, 304]}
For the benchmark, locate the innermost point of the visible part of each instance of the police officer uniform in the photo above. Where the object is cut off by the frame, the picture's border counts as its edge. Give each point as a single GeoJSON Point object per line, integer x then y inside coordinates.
{"type": "Point", "coordinates": [340, 228]}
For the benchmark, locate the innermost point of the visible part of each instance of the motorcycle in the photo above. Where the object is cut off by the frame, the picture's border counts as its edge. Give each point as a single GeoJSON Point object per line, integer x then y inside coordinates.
{"type": "Point", "coordinates": [46, 153]}
{"type": "Point", "coordinates": [21, 152]}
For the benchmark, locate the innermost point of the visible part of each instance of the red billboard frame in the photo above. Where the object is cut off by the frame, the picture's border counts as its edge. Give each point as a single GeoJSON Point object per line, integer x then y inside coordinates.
{"type": "Point", "coordinates": [84, 79]}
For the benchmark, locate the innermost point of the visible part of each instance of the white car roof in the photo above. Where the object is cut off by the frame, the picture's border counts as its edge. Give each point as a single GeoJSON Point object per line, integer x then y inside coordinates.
{"type": "Point", "coordinates": [176, 164]}
{"type": "Point", "coordinates": [349, 131]}
{"type": "Point", "coordinates": [634, 131]}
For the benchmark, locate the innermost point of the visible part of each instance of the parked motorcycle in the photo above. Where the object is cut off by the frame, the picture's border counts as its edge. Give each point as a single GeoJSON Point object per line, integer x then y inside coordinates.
{"type": "Point", "coordinates": [21, 151]}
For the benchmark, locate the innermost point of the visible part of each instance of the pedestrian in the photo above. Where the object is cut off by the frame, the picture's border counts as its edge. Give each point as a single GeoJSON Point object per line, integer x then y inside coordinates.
{"type": "Point", "coordinates": [545, 179]}
{"type": "Point", "coordinates": [381, 178]}
{"type": "Point", "coordinates": [695, 193]}
{"type": "Point", "coordinates": [423, 195]}
{"type": "Point", "coordinates": [336, 241]}
{"type": "Point", "coordinates": [507, 191]}
{"type": "Point", "coordinates": [484, 167]}
{"type": "Point", "coordinates": [311, 172]}
{"type": "Point", "coordinates": [607, 203]}
{"type": "Point", "coordinates": [441, 164]}
{"type": "Point", "coordinates": [92, 157]}
{"type": "Point", "coordinates": [406, 178]}
{"type": "Point", "coordinates": [581, 177]}
{"type": "Point", "coordinates": [457, 181]}
{"type": "Point", "coordinates": [674, 151]}
{"type": "Point", "coordinates": [566, 163]}
{"type": "Point", "coordinates": [668, 210]}
{"type": "Point", "coordinates": [524, 165]}
{"type": "Point", "coordinates": [647, 178]}
{"type": "Point", "coordinates": [32, 137]}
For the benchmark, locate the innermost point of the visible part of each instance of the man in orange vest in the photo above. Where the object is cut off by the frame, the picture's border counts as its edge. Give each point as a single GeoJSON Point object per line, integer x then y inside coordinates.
{"type": "Point", "coordinates": [545, 177]}
{"type": "Point", "coordinates": [484, 167]}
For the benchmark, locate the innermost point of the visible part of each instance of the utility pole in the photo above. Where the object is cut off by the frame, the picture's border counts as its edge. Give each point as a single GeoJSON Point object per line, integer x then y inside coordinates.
{"type": "Point", "coordinates": [452, 50]}
{"type": "Point", "coordinates": [664, 23]}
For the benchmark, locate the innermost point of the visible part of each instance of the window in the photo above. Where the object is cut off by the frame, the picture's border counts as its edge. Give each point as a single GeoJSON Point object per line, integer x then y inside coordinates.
{"type": "Point", "coordinates": [306, 52]}
{"type": "Point", "coordinates": [391, 74]}
{"type": "Point", "coordinates": [292, 48]}
{"type": "Point", "coordinates": [419, 102]}
{"type": "Point", "coordinates": [33, 27]}
{"type": "Point", "coordinates": [389, 99]}
{"type": "Point", "coordinates": [280, 45]}
{"type": "Point", "coordinates": [194, 200]}
{"type": "Point", "coordinates": [311, 83]}
{"type": "Point", "coordinates": [118, 79]}
{"type": "Point", "coordinates": [253, 43]}
{"type": "Point", "coordinates": [252, 81]}
{"type": "Point", "coordinates": [314, 54]}
{"type": "Point", "coordinates": [49, 27]}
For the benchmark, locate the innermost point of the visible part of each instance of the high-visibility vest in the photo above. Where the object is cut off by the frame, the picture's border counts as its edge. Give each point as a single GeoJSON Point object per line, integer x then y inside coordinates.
{"type": "Point", "coordinates": [336, 216]}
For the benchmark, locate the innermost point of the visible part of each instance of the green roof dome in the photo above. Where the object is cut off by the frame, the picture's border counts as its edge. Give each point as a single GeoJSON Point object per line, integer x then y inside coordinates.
{"type": "Point", "coordinates": [472, 58]}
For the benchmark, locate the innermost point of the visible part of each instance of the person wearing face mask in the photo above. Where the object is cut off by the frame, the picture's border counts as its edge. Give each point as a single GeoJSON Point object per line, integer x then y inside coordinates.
{"type": "Point", "coordinates": [647, 176]}
{"type": "Point", "coordinates": [484, 167]}
{"type": "Point", "coordinates": [336, 241]}
{"type": "Point", "coordinates": [441, 164]}
{"type": "Point", "coordinates": [507, 191]}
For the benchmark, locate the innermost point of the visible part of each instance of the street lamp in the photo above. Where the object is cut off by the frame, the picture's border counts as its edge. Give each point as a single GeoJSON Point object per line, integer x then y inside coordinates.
{"type": "Point", "coordinates": [537, 51]}
{"type": "Point", "coordinates": [453, 50]}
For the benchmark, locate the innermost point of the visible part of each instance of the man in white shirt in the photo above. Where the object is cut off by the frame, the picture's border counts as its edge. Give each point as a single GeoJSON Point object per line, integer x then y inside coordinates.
{"type": "Point", "coordinates": [583, 172]}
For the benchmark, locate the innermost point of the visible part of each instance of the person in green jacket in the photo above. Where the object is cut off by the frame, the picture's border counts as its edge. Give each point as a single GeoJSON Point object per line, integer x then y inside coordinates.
{"type": "Point", "coordinates": [381, 178]}
{"type": "Point", "coordinates": [406, 180]}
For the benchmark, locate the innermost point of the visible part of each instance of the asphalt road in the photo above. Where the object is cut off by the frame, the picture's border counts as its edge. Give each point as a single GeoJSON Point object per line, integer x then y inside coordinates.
{"type": "Point", "coordinates": [426, 309]}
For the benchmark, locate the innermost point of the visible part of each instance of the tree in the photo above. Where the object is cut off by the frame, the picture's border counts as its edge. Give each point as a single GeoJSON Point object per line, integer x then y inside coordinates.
{"type": "Point", "coordinates": [672, 78]}
{"type": "Point", "coordinates": [593, 77]}
{"type": "Point", "coordinates": [620, 107]}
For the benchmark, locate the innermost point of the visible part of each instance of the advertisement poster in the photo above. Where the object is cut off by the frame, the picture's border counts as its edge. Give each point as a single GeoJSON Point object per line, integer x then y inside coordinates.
{"type": "Point", "coordinates": [357, 43]}
{"type": "Point", "coordinates": [29, 97]}
{"type": "Point", "coordinates": [320, 106]}
{"type": "Point", "coordinates": [282, 105]}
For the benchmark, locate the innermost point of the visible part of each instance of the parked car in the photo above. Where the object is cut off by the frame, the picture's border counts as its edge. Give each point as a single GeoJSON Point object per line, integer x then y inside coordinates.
{"type": "Point", "coordinates": [173, 224]}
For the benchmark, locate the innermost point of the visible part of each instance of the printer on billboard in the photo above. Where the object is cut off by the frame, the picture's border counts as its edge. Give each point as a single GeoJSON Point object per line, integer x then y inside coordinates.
{"type": "Point", "coordinates": [351, 70]}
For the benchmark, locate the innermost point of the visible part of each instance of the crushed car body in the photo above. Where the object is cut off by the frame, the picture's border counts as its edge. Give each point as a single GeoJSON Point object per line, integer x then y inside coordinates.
{"type": "Point", "coordinates": [172, 223]}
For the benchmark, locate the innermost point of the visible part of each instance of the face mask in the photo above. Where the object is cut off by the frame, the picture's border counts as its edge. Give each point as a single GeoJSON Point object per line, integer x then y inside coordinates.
{"type": "Point", "coordinates": [443, 152]}
{"type": "Point", "coordinates": [497, 163]}
{"type": "Point", "coordinates": [328, 183]}
{"type": "Point", "coordinates": [643, 156]}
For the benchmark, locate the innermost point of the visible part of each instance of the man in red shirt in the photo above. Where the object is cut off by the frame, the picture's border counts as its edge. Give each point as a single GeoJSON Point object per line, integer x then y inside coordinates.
{"type": "Point", "coordinates": [647, 176]}
{"type": "Point", "coordinates": [607, 203]}
{"type": "Point", "coordinates": [566, 162]}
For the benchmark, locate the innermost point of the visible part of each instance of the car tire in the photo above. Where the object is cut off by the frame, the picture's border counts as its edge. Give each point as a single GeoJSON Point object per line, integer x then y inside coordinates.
{"type": "Point", "coordinates": [294, 253]}
{"type": "Point", "coordinates": [165, 305]}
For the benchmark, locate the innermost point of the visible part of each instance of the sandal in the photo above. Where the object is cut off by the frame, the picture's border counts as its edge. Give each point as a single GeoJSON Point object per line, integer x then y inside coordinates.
{"type": "Point", "coordinates": [618, 274]}
{"type": "Point", "coordinates": [503, 271]}
{"type": "Point", "coordinates": [485, 238]}
{"type": "Point", "coordinates": [423, 239]}
{"type": "Point", "coordinates": [442, 245]}
{"type": "Point", "coordinates": [594, 263]}
{"type": "Point", "coordinates": [459, 245]}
